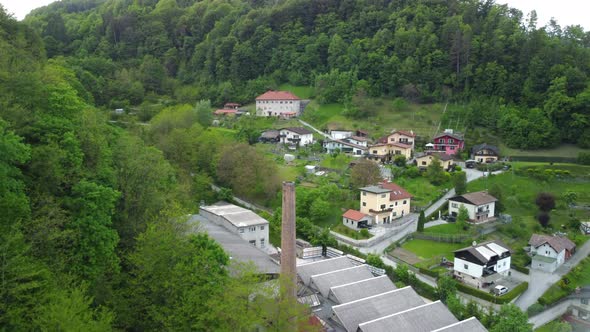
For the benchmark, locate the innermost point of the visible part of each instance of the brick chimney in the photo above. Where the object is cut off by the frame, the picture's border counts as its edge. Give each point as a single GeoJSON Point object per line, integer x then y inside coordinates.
{"type": "Point", "coordinates": [288, 263]}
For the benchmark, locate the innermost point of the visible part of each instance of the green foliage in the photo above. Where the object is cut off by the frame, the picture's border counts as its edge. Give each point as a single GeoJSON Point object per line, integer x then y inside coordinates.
{"type": "Point", "coordinates": [534, 309]}
{"type": "Point", "coordinates": [446, 288]}
{"type": "Point", "coordinates": [506, 298]}
{"type": "Point", "coordinates": [204, 113]}
{"type": "Point", "coordinates": [365, 173]}
{"type": "Point", "coordinates": [584, 158]}
{"type": "Point", "coordinates": [463, 216]}
{"type": "Point", "coordinates": [421, 221]}
{"type": "Point", "coordinates": [400, 160]}
{"type": "Point", "coordinates": [460, 182]}
{"type": "Point", "coordinates": [435, 173]}
{"type": "Point", "coordinates": [512, 319]}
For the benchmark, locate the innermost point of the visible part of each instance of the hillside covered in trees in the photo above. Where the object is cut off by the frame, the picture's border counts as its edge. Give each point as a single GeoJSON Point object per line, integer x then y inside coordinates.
{"type": "Point", "coordinates": [529, 83]}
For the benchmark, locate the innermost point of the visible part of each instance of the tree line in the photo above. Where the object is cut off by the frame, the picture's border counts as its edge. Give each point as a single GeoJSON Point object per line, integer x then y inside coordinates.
{"type": "Point", "coordinates": [529, 82]}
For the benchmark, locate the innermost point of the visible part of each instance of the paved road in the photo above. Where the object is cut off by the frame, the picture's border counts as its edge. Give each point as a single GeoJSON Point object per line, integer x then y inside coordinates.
{"type": "Point", "coordinates": [541, 281]}
{"type": "Point", "coordinates": [549, 314]}
{"type": "Point", "coordinates": [378, 248]}
{"type": "Point", "coordinates": [314, 128]}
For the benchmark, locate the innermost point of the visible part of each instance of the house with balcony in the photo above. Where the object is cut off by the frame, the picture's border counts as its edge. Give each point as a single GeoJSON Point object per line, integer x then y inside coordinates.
{"type": "Point", "coordinates": [296, 136]}
{"type": "Point", "coordinates": [283, 104]}
{"type": "Point", "coordinates": [481, 264]}
{"type": "Point", "coordinates": [485, 153]}
{"type": "Point", "coordinates": [447, 142]}
{"type": "Point", "coordinates": [400, 136]}
{"type": "Point", "coordinates": [346, 145]}
{"type": "Point", "coordinates": [550, 252]}
{"type": "Point", "coordinates": [386, 152]}
{"type": "Point", "coordinates": [423, 160]}
{"type": "Point", "coordinates": [480, 206]}
{"type": "Point", "coordinates": [385, 202]}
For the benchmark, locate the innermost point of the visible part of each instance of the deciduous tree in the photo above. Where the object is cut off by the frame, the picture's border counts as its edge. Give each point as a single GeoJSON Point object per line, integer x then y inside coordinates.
{"type": "Point", "coordinates": [365, 173]}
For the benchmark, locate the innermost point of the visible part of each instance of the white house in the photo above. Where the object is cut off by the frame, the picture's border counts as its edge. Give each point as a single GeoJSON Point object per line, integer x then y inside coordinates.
{"type": "Point", "coordinates": [354, 218]}
{"type": "Point", "coordinates": [480, 205]}
{"type": "Point", "coordinates": [550, 252]}
{"type": "Point", "coordinates": [479, 265]}
{"type": "Point", "coordinates": [296, 136]}
{"type": "Point", "coordinates": [278, 103]}
{"type": "Point", "coordinates": [247, 224]}
{"type": "Point", "coordinates": [344, 146]}
{"type": "Point", "coordinates": [340, 134]}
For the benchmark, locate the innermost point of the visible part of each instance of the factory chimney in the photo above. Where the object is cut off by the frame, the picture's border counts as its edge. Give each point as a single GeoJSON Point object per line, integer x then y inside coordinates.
{"type": "Point", "coordinates": [288, 263]}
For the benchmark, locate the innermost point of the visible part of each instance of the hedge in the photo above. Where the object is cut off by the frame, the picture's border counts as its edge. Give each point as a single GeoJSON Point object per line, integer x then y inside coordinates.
{"type": "Point", "coordinates": [521, 269]}
{"type": "Point", "coordinates": [545, 159]}
{"type": "Point", "coordinates": [506, 298]}
{"type": "Point", "coordinates": [428, 272]}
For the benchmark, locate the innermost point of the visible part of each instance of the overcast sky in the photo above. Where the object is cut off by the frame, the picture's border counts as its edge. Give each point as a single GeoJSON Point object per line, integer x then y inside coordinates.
{"type": "Point", "coordinates": [567, 12]}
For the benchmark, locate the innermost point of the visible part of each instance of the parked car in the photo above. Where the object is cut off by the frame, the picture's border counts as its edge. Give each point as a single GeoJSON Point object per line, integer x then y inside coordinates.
{"type": "Point", "coordinates": [499, 290]}
{"type": "Point", "coordinates": [470, 163]}
{"type": "Point", "coordinates": [451, 218]}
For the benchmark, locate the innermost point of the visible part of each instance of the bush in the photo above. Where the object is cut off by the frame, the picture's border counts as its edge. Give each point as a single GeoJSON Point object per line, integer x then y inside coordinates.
{"type": "Point", "coordinates": [584, 158]}
{"type": "Point", "coordinates": [506, 298]}
{"type": "Point", "coordinates": [428, 272]}
{"type": "Point", "coordinates": [520, 269]}
{"type": "Point", "coordinates": [365, 233]}
{"type": "Point", "coordinates": [535, 309]}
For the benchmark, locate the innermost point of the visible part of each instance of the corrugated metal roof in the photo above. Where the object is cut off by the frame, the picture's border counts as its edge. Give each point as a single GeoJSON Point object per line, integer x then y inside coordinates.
{"type": "Point", "coordinates": [323, 282]}
{"type": "Point", "coordinates": [351, 314]}
{"type": "Point", "coordinates": [485, 252]}
{"type": "Point", "coordinates": [468, 325]}
{"type": "Point", "coordinates": [236, 215]}
{"type": "Point", "coordinates": [305, 271]}
{"type": "Point", "coordinates": [361, 289]}
{"type": "Point", "coordinates": [424, 318]}
{"type": "Point", "coordinates": [498, 249]}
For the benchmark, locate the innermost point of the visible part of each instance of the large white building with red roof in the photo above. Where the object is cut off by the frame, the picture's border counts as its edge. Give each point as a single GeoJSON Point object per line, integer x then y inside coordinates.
{"type": "Point", "coordinates": [278, 103]}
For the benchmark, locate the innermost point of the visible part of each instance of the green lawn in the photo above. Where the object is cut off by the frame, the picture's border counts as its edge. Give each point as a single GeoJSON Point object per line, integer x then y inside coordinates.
{"type": "Point", "coordinates": [423, 191]}
{"type": "Point", "coordinates": [303, 92]}
{"type": "Point", "coordinates": [426, 249]}
{"type": "Point", "coordinates": [578, 276]}
{"type": "Point", "coordinates": [552, 326]}
{"type": "Point", "coordinates": [422, 118]}
{"type": "Point", "coordinates": [341, 162]}
{"type": "Point", "coordinates": [451, 228]}
{"type": "Point", "coordinates": [564, 150]}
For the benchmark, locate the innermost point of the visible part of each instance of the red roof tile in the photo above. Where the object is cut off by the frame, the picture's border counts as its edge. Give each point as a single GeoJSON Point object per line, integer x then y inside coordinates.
{"type": "Point", "coordinates": [354, 215]}
{"type": "Point", "coordinates": [405, 133]}
{"type": "Point", "coordinates": [397, 192]}
{"type": "Point", "coordinates": [225, 111]}
{"type": "Point", "coordinates": [277, 95]}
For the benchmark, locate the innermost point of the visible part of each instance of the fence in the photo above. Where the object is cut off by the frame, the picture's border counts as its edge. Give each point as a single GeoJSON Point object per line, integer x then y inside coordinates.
{"type": "Point", "coordinates": [442, 237]}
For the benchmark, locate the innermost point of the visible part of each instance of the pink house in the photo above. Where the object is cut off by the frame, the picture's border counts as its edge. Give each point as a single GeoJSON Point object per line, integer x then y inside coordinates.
{"type": "Point", "coordinates": [448, 142]}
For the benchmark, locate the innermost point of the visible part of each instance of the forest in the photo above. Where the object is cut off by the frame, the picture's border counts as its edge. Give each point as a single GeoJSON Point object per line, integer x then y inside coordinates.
{"type": "Point", "coordinates": [92, 234]}
{"type": "Point", "coordinates": [527, 83]}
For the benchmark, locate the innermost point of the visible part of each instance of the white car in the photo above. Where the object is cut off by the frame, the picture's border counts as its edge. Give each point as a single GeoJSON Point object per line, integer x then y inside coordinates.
{"type": "Point", "coordinates": [500, 290]}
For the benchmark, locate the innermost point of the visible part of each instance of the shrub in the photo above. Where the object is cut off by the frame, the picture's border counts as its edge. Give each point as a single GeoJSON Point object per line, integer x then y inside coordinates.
{"type": "Point", "coordinates": [520, 269]}
{"type": "Point", "coordinates": [535, 309]}
{"type": "Point", "coordinates": [365, 232]}
{"type": "Point", "coordinates": [428, 272]}
{"type": "Point", "coordinates": [584, 158]}
{"type": "Point", "coordinates": [506, 298]}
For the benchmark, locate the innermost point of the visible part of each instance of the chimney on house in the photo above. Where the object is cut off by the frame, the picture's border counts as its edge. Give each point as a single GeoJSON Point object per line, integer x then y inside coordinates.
{"type": "Point", "coordinates": [288, 262]}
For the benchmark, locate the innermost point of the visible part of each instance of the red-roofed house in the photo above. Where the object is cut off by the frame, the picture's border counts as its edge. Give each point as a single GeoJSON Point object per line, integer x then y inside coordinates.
{"type": "Point", "coordinates": [386, 152]}
{"type": "Point", "coordinates": [355, 219]}
{"type": "Point", "coordinates": [278, 103]}
{"type": "Point", "coordinates": [550, 252]}
{"type": "Point", "coordinates": [385, 202]}
{"type": "Point", "coordinates": [448, 142]}
{"type": "Point", "coordinates": [400, 136]}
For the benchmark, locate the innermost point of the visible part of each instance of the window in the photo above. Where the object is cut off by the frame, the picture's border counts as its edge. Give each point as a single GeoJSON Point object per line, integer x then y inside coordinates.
{"type": "Point", "coordinates": [451, 141]}
{"type": "Point", "coordinates": [252, 242]}
{"type": "Point", "coordinates": [382, 206]}
{"type": "Point", "coordinates": [374, 151]}
{"type": "Point", "coordinates": [394, 213]}
{"type": "Point", "coordinates": [405, 201]}
{"type": "Point", "coordinates": [442, 140]}
{"type": "Point", "coordinates": [261, 243]}
{"type": "Point", "coordinates": [454, 205]}
{"type": "Point", "coordinates": [364, 203]}
{"type": "Point", "coordinates": [584, 301]}
{"type": "Point", "coordinates": [423, 163]}
{"type": "Point", "coordinates": [390, 205]}
{"type": "Point", "coordinates": [395, 203]}
{"type": "Point", "coordinates": [452, 148]}
{"type": "Point", "coordinates": [383, 196]}
{"type": "Point", "coordinates": [253, 229]}
{"type": "Point", "coordinates": [392, 139]}
{"type": "Point", "coordinates": [262, 227]}
{"type": "Point", "coordinates": [466, 267]}
{"type": "Point", "coordinates": [241, 230]}
{"type": "Point", "coordinates": [398, 152]}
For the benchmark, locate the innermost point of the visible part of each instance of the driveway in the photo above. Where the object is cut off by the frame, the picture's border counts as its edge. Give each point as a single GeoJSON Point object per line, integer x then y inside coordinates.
{"type": "Point", "coordinates": [402, 231]}
{"type": "Point", "coordinates": [541, 281]}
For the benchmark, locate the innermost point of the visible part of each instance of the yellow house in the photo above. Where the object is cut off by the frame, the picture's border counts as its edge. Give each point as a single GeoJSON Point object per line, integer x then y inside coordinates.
{"type": "Point", "coordinates": [386, 152]}
{"type": "Point", "coordinates": [403, 137]}
{"type": "Point", "coordinates": [385, 202]}
{"type": "Point", "coordinates": [424, 160]}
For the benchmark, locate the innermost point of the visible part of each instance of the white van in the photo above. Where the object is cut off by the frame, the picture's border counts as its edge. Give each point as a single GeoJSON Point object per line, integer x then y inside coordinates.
{"type": "Point", "coordinates": [500, 290]}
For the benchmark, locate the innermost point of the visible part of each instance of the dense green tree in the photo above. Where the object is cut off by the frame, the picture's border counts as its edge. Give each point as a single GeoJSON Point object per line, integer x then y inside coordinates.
{"type": "Point", "coordinates": [421, 221]}
{"type": "Point", "coordinates": [365, 173]}
{"type": "Point", "coordinates": [512, 319]}
{"type": "Point", "coordinates": [446, 288]}
{"type": "Point", "coordinates": [435, 173]}
{"type": "Point", "coordinates": [460, 182]}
